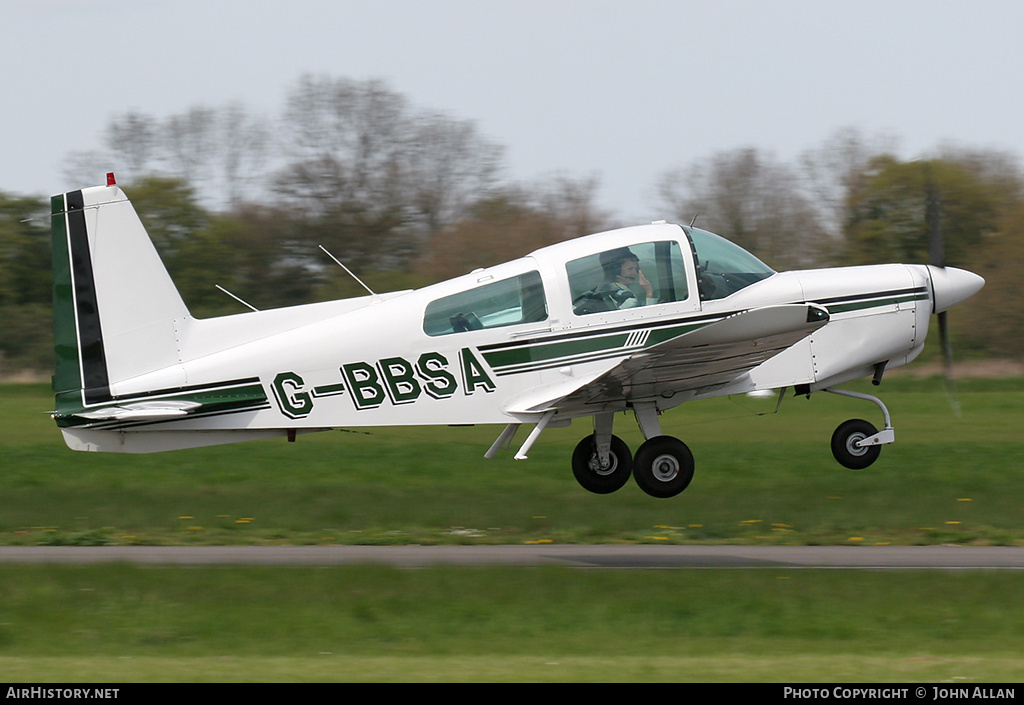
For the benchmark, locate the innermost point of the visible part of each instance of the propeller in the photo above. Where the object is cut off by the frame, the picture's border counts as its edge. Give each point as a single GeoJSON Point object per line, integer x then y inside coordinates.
{"type": "Point", "coordinates": [937, 258]}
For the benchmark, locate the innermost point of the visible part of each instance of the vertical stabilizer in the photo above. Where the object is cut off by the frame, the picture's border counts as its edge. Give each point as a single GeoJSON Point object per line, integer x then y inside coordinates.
{"type": "Point", "coordinates": [116, 310]}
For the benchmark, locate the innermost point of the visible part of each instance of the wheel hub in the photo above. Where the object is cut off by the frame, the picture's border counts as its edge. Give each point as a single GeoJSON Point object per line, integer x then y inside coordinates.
{"type": "Point", "coordinates": [599, 469]}
{"type": "Point", "coordinates": [665, 467]}
{"type": "Point", "coordinates": [853, 445]}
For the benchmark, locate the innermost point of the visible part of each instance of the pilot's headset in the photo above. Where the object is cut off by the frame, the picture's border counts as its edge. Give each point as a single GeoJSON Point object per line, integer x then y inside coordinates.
{"type": "Point", "coordinates": [611, 262]}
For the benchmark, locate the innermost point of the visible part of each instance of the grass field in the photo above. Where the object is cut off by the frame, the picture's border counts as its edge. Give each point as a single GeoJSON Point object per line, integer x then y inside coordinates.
{"type": "Point", "coordinates": [760, 479]}
{"type": "Point", "coordinates": [123, 623]}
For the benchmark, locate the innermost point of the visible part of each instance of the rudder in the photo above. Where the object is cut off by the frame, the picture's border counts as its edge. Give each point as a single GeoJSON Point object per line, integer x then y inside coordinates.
{"type": "Point", "coordinates": [116, 309]}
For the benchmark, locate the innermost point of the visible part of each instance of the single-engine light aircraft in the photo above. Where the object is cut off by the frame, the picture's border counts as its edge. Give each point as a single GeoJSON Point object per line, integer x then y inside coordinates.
{"type": "Point", "coordinates": [639, 319]}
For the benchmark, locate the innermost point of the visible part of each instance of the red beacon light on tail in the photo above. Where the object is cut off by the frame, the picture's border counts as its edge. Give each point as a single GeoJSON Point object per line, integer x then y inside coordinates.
{"type": "Point", "coordinates": [110, 179]}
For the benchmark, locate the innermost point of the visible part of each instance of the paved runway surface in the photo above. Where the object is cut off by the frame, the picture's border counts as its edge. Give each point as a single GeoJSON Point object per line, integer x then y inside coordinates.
{"type": "Point", "coordinates": [864, 557]}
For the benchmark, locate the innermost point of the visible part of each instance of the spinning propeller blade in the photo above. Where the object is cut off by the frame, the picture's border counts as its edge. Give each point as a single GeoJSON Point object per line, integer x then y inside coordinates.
{"type": "Point", "coordinates": [937, 258]}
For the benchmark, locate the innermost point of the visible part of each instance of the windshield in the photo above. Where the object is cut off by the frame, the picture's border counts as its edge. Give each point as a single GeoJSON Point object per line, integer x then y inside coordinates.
{"type": "Point", "coordinates": [723, 268]}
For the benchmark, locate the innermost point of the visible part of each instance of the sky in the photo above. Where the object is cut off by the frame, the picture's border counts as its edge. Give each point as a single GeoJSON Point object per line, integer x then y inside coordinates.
{"type": "Point", "coordinates": [619, 90]}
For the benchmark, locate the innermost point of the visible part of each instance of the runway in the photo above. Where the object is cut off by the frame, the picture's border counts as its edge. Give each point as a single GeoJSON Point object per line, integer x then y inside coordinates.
{"type": "Point", "coordinates": [578, 556]}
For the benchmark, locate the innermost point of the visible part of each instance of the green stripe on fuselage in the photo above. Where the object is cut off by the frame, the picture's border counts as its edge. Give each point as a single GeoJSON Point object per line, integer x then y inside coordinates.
{"type": "Point", "coordinates": [530, 355]}
{"type": "Point", "coordinates": [541, 352]}
{"type": "Point", "coordinates": [569, 350]}
{"type": "Point", "coordinates": [874, 303]}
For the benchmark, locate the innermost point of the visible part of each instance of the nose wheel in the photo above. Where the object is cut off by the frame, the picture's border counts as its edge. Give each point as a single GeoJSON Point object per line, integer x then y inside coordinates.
{"type": "Point", "coordinates": [856, 444]}
{"type": "Point", "coordinates": [848, 444]}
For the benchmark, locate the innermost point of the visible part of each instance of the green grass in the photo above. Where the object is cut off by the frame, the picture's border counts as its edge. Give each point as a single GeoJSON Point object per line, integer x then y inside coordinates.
{"type": "Point", "coordinates": [760, 479]}
{"type": "Point", "coordinates": [122, 623]}
{"type": "Point", "coordinates": [766, 479]}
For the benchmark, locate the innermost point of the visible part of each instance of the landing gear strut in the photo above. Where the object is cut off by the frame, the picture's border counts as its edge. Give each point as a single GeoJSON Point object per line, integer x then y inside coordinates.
{"type": "Point", "coordinates": [856, 444]}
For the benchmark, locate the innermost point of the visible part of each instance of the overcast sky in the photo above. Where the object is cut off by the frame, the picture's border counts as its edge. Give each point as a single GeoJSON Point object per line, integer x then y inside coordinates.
{"type": "Point", "coordinates": [622, 90]}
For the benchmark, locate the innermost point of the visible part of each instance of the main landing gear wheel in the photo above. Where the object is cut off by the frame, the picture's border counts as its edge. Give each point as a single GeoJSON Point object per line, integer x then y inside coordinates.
{"type": "Point", "coordinates": [587, 468]}
{"type": "Point", "coordinates": [845, 448]}
{"type": "Point", "coordinates": [663, 466]}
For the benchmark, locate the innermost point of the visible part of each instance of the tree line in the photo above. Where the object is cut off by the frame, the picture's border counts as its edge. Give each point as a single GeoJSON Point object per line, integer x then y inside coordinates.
{"type": "Point", "coordinates": [407, 196]}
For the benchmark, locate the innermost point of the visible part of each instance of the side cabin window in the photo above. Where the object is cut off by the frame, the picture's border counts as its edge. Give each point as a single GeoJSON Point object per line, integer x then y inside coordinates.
{"type": "Point", "coordinates": [723, 267]}
{"type": "Point", "coordinates": [627, 277]}
{"type": "Point", "coordinates": [503, 303]}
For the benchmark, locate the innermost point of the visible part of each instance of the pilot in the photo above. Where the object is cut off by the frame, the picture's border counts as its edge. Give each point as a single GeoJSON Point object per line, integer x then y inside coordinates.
{"type": "Point", "coordinates": [621, 271]}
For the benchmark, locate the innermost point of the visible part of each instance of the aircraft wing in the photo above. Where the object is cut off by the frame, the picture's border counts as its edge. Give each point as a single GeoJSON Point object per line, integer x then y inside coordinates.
{"type": "Point", "coordinates": [707, 357]}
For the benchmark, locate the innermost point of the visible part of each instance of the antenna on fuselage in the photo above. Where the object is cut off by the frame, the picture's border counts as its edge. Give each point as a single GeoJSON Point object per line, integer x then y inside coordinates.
{"type": "Point", "coordinates": [347, 270]}
{"type": "Point", "coordinates": [241, 301]}
{"type": "Point", "coordinates": [694, 219]}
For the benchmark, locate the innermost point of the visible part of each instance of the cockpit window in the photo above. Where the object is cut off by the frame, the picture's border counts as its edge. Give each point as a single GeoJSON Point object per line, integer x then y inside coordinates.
{"type": "Point", "coordinates": [502, 303]}
{"type": "Point", "coordinates": [627, 277]}
{"type": "Point", "coordinates": [723, 268]}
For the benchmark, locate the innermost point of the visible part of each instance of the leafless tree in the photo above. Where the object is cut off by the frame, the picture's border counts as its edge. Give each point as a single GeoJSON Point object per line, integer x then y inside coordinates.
{"type": "Point", "coordinates": [752, 199]}
{"type": "Point", "coordinates": [380, 176]}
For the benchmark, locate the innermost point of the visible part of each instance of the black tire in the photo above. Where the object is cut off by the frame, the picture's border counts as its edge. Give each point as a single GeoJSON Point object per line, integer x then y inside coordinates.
{"type": "Point", "coordinates": [663, 467]}
{"type": "Point", "coordinates": [844, 444]}
{"type": "Point", "coordinates": [588, 471]}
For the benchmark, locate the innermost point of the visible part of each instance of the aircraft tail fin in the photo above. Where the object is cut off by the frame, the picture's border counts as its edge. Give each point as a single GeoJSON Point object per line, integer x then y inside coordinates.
{"type": "Point", "coordinates": [116, 309]}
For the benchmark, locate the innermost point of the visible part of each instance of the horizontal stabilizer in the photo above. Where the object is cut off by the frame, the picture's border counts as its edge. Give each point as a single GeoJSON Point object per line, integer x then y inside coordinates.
{"type": "Point", "coordinates": [141, 411]}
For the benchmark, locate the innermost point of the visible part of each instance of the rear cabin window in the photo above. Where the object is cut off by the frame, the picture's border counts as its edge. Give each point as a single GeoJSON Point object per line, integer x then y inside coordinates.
{"type": "Point", "coordinates": [628, 277]}
{"type": "Point", "coordinates": [503, 303]}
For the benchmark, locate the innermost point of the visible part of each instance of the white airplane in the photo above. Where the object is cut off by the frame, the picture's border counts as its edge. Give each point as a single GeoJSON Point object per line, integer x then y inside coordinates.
{"type": "Point", "coordinates": [639, 319]}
